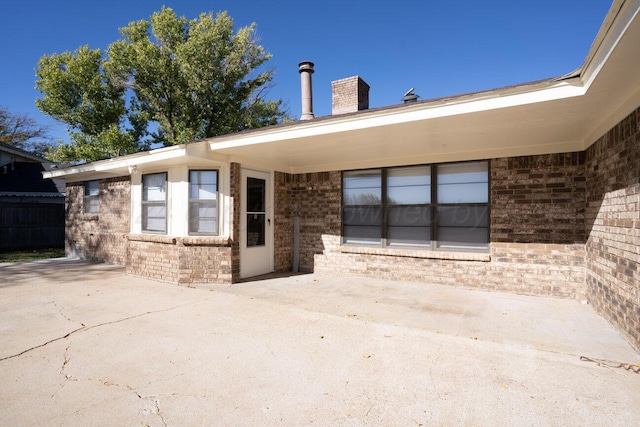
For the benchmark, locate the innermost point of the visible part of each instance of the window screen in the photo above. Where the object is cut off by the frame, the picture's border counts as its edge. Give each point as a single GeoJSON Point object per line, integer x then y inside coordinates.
{"type": "Point", "coordinates": [203, 202]}
{"type": "Point", "coordinates": [154, 202]}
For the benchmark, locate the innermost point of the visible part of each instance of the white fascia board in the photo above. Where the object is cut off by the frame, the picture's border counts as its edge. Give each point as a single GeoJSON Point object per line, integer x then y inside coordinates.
{"type": "Point", "coordinates": [620, 17]}
{"type": "Point", "coordinates": [123, 162]}
{"type": "Point", "coordinates": [547, 91]}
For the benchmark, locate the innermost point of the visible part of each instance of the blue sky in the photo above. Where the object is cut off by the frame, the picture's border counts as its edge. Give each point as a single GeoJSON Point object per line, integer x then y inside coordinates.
{"type": "Point", "coordinates": [440, 48]}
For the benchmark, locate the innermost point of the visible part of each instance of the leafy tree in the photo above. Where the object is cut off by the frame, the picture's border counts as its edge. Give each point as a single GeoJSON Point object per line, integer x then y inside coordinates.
{"type": "Point", "coordinates": [22, 131]}
{"type": "Point", "coordinates": [78, 92]}
{"type": "Point", "coordinates": [168, 81]}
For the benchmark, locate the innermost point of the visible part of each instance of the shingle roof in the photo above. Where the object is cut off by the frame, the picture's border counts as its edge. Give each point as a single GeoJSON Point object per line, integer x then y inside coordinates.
{"type": "Point", "coordinates": [10, 149]}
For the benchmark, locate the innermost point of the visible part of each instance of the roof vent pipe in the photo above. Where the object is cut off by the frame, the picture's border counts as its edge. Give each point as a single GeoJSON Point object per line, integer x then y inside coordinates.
{"type": "Point", "coordinates": [306, 69]}
{"type": "Point", "coordinates": [409, 96]}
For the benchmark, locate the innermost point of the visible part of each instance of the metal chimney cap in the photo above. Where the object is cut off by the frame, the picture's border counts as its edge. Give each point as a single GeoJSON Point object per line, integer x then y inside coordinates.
{"type": "Point", "coordinates": [409, 96]}
{"type": "Point", "coordinates": [305, 66]}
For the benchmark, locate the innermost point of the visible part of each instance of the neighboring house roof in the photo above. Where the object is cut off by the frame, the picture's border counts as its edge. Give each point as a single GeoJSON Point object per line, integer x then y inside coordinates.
{"type": "Point", "coordinates": [20, 154]}
{"type": "Point", "coordinates": [563, 114]}
{"type": "Point", "coordinates": [23, 178]}
{"type": "Point", "coordinates": [21, 174]}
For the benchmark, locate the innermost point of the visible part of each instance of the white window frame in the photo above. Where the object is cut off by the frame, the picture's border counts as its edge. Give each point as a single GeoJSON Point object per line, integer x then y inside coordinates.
{"type": "Point", "coordinates": [198, 201]}
{"type": "Point", "coordinates": [145, 204]}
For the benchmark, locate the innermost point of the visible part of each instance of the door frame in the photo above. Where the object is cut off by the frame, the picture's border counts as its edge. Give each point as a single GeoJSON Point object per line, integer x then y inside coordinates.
{"type": "Point", "coordinates": [267, 264]}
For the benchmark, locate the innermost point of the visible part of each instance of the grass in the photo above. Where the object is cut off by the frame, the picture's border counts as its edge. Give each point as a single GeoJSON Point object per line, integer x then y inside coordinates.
{"type": "Point", "coordinates": [31, 254]}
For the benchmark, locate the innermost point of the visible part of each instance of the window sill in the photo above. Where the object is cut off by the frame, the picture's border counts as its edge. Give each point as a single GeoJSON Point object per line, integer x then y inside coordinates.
{"type": "Point", "coordinates": [205, 240]}
{"type": "Point", "coordinates": [417, 253]}
{"type": "Point", "coordinates": [186, 241]}
{"type": "Point", "coordinates": [90, 217]}
{"type": "Point", "coordinates": [154, 238]}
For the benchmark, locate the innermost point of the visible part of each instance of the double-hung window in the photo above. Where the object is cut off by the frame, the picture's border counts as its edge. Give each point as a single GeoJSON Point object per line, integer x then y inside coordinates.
{"type": "Point", "coordinates": [154, 202]}
{"type": "Point", "coordinates": [442, 206]}
{"type": "Point", "coordinates": [203, 202]}
{"type": "Point", "coordinates": [362, 206]}
{"type": "Point", "coordinates": [91, 197]}
{"type": "Point", "coordinates": [463, 206]}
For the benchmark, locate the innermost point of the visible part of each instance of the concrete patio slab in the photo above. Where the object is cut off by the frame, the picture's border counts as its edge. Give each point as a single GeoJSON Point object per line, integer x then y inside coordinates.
{"type": "Point", "coordinates": [85, 344]}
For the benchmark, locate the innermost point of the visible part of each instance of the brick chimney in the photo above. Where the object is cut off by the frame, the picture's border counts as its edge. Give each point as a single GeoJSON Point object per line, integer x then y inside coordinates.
{"type": "Point", "coordinates": [349, 95]}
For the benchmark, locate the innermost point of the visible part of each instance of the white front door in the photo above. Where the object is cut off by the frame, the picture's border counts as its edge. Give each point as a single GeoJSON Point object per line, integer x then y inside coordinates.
{"type": "Point", "coordinates": [256, 231]}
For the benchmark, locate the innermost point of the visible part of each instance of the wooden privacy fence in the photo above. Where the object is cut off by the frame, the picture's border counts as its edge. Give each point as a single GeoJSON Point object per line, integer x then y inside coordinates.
{"type": "Point", "coordinates": [31, 225]}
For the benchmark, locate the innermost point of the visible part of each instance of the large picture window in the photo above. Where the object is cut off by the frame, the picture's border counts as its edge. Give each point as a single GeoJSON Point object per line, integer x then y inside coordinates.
{"type": "Point", "coordinates": [429, 206]}
{"type": "Point", "coordinates": [203, 202]}
{"type": "Point", "coordinates": [154, 202]}
{"type": "Point", "coordinates": [91, 197]}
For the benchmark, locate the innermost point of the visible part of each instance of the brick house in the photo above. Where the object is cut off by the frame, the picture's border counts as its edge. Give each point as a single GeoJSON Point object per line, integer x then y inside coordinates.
{"type": "Point", "coordinates": [533, 189]}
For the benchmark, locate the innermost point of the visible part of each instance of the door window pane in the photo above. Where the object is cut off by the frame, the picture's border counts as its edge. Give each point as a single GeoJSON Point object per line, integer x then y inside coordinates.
{"type": "Point", "coordinates": [255, 195]}
{"type": "Point", "coordinates": [255, 230]}
{"type": "Point", "coordinates": [256, 212]}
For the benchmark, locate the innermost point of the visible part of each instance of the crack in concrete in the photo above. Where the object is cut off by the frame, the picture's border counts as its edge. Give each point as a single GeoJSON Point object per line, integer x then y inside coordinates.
{"type": "Point", "coordinates": [61, 312]}
{"type": "Point", "coordinates": [42, 345]}
{"type": "Point", "coordinates": [86, 328]}
{"type": "Point", "coordinates": [152, 407]}
{"type": "Point", "coordinates": [67, 377]}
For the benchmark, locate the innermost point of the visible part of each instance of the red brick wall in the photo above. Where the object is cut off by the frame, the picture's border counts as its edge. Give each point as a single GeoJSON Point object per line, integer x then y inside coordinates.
{"type": "Point", "coordinates": [537, 224]}
{"type": "Point", "coordinates": [537, 246]}
{"type": "Point", "coordinates": [316, 200]}
{"type": "Point", "coordinates": [180, 259]}
{"type": "Point", "coordinates": [234, 219]}
{"type": "Point", "coordinates": [154, 257]}
{"type": "Point", "coordinates": [283, 223]}
{"type": "Point", "coordinates": [538, 199]}
{"type": "Point", "coordinates": [613, 226]}
{"type": "Point", "coordinates": [101, 236]}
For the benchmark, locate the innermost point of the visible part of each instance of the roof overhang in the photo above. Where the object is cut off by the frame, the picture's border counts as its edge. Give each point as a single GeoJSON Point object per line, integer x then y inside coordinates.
{"type": "Point", "coordinates": [31, 194]}
{"type": "Point", "coordinates": [193, 154]}
{"type": "Point", "coordinates": [565, 114]}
